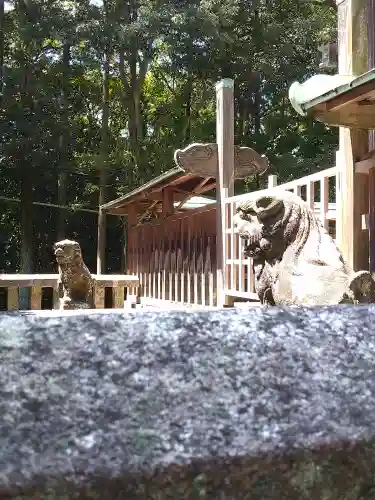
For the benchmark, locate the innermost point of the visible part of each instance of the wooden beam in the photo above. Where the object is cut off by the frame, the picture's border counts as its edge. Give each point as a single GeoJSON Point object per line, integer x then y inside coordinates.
{"type": "Point", "coordinates": [132, 219]}
{"type": "Point", "coordinates": [168, 207]}
{"type": "Point", "coordinates": [272, 181]}
{"type": "Point", "coordinates": [208, 186]}
{"type": "Point", "coordinates": [132, 215]}
{"type": "Point", "coordinates": [363, 166]}
{"type": "Point", "coordinates": [354, 96]}
{"type": "Point", "coordinates": [194, 193]}
{"type": "Point", "coordinates": [147, 211]}
{"type": "Point", "coordinates": [152, 196]}
{"type": "Point", "coordinates": [184, 191]}
{"type": "Point", "coordinates": [124, 243]}
{"type": "Point", "coordinates": [224, 177]}
{"type": "Point", "coordinates": [355, 118]}
{"type": "Point", "coordinates": [128, 210]}
{"type": "Point", "coordinates": [371, 177]}
{"type": "Point", "coordinates": [371, 217]}
{"type": "Point", "coordinates": [352, 240]}
{"type": "Point", "coordinates": [204, 186]}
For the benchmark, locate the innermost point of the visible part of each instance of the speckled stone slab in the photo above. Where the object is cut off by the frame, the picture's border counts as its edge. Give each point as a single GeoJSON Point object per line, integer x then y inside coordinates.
{"type": "Point", "coordinates": [260, 404]}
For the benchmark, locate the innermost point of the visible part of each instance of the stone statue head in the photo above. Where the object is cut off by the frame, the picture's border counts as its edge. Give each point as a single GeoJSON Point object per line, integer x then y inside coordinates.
{"type": "Point", "coordinates": [67, 252]}
{"type": "Point", "coordinates": [257, 220]}
{"type": "Point", "coordinates": [270, 222]}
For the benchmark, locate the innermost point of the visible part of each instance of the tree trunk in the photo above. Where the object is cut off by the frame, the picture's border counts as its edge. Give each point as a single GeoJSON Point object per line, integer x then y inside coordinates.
{"type": "Point", "coordinates": [188, 98]}
{"type": "Point", "coordinates": [133, 125]}
{"type": "Point", "coordinates": [27, 180]}
{"type": "Point", "coordinates": [27, 232]}
{"type": "Point", "coordinates": [256, 117]}
{"type": "Point", "coordinates": [62, 182]}
{"type": "Point", "coordinates": [132, 85]}
{"type": "Point", "coordinates": [104, 149]}
{"type": "Point", "coordinates": [2, 15]}
{"type": "Point", "coordinates": [257, 108]}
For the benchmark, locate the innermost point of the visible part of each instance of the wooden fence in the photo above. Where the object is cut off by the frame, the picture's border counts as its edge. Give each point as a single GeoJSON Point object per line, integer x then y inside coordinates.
{"type": "Point", "coordinates": [175, 258]}
{"type": "Point", "coordinates": [319, 190]}
{"type": "Point", "coordinates": [36, 283]}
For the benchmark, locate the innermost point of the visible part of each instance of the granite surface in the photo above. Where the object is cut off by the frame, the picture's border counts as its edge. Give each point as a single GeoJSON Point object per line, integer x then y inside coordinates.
{"type": "Point", "coordinates": [260, 404]}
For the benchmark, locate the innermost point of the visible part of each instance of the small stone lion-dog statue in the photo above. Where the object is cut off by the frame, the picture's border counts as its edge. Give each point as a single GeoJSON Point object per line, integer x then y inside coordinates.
{"type": "Point", "coordinates": [75, 281]}
{"type": "Point", "coordinates": [295, 260]}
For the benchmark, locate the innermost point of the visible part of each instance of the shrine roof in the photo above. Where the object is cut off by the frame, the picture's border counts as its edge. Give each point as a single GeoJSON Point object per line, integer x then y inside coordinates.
{"type": "Point", "coordinates": [350, 103]}
{"type": "Point", "coordinates": [194, 174]}
{"type": "Point", "coordinates": [183, 186]}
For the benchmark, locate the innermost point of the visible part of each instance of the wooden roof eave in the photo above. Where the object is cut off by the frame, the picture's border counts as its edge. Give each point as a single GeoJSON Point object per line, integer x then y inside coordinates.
{"type": "Point", "coordinates": [158, 183]}
{"type": "Point", "coordinates": [195, 173]}
{"type": "Point", "coordinates": [350, 105]}
{"type": "Point", "coordinates": [153, 197]}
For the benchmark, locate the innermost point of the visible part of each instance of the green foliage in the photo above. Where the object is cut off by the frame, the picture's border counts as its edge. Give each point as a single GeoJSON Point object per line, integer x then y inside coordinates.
{"type": "Point", "coordinates": [165, 57]}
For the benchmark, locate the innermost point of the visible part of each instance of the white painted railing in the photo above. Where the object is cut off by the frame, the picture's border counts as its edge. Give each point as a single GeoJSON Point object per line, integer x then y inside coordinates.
{"type": "Point", "coordinates": [314, 189]}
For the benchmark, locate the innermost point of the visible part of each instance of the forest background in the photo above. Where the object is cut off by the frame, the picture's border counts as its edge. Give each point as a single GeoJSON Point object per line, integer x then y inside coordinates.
{"type": "Point", "coordinates": [95, 96]}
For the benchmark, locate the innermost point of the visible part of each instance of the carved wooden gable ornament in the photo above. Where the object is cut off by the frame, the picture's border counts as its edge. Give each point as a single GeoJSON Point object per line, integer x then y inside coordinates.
{"type": "Point", "coordinates": [202, 160]}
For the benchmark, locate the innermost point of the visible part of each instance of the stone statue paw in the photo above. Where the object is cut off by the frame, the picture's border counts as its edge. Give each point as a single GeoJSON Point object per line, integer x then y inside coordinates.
{"type": "Point", "coordinates": [361, 289]}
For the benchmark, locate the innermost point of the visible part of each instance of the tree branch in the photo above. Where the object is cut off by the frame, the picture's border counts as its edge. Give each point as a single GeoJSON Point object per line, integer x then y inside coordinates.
{"type": "Point", "coordinates": [160, 73]}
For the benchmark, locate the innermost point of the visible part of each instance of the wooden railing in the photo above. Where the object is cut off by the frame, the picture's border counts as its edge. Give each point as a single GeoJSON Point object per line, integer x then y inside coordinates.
{"type": "Point", "coordinates": [316, 189]}
{"type": "Point", "coordinates": [37, 282]}
{"type": "Point", "coordinates": [175, 258]}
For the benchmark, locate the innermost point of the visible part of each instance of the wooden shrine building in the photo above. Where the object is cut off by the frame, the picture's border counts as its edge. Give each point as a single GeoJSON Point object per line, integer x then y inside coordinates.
{"type": "Point", "coordinates": [172, 233]}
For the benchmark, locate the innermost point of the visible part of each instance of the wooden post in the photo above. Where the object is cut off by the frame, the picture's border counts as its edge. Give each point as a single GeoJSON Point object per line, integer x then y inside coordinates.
{"type": "Point", "coordinates": [132, 221]}
{"type": "Point", "coordinates": [131, 297]}
{"type": "Point", "coordinates": [36, 298]}
{"type": "Point", "coordinates": [56, 297]}
{"type": "Point", "coordinates": [371, 65]}
{"type": "Point", "coordinates": [225, 176]}
{"type": "Point", "coordinates": [168, 207]}
{"type": "Point", "coordinates": [272, 181]}
{"type": "Point", "coordinates": [13, 303]}
{"type": "Point", "coordinates": [124, 242]}
{"type": "Point", "coordinates": [351, 238]}
{"type": "Point", "coordinates": [118, 296]}
{"type": "Point", "coordinates": [99, 296]}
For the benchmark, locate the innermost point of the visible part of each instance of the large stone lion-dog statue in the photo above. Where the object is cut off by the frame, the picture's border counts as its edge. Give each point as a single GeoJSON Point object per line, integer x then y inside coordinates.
{"type": "Point", "coordinates": [296, 261]}
{"type": "Point", "coordinates": [75, 281]}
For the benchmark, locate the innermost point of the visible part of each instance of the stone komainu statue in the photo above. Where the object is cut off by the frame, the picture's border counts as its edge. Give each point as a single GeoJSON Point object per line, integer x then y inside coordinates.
{"type": "Point", "coordinates": [75, 281]}
{"type": "Point", "coordinates": [296, 261]}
